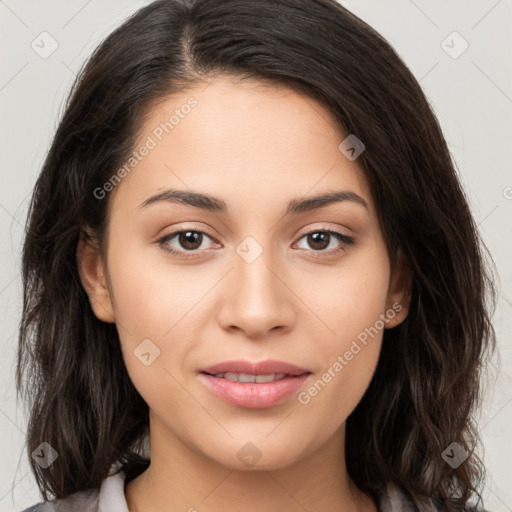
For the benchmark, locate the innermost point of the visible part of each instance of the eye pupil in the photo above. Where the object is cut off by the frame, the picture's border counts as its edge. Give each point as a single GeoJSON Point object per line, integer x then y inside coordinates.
{"type": "Point", "coordinates": [318, 238]}
{"type": "Point", "coordinates": [189, 239]}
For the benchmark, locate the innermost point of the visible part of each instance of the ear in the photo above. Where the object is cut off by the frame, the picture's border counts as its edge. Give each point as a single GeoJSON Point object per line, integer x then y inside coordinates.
{"type": "Point", "coordinates": [399, 293]}
{"type": "Point", "coordinates": [92, 275]}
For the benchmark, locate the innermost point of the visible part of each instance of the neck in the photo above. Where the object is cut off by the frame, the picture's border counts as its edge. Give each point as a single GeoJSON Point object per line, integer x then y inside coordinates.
{"type": "Point", "coordinates": [181, 478]}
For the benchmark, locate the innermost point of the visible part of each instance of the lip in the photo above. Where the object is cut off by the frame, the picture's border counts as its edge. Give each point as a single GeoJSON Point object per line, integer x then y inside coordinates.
{"type": "Point", "coordinates": [254, 395]}
{"type": "Point", "coordinates": [255, 368]}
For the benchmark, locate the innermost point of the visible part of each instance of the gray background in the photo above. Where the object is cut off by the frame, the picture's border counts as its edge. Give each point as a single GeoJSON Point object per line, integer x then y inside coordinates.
{"type": "Point", "coordinates": [471, 94]}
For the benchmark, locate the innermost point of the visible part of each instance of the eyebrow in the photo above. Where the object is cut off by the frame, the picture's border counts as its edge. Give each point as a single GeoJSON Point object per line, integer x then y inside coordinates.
{"type": "Point", "coordinates": [214, 204]}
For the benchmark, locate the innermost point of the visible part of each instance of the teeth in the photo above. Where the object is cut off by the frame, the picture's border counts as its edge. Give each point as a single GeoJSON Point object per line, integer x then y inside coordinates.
{"type": "Point", "coordinates": [270, 378]}
{"type": "Point", "coordinates": [247, 377]}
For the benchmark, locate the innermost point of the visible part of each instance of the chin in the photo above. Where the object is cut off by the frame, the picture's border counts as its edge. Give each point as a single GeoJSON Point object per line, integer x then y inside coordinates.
{"type": "Point", "coordinates": [258, 454]}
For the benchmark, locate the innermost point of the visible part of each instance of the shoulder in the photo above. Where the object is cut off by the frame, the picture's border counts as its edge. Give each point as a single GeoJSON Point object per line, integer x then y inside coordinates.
{"type": "Point", "coordinates": [78, 502]}
{"type": "Point", "coordinates": [395, 500]}
{"type": "Point", "coordinates": [110, 496]}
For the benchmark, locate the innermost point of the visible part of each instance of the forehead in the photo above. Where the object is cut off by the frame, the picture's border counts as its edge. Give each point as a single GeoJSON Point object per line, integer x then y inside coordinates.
{"type": "Point", "coordinates": [241, 137]}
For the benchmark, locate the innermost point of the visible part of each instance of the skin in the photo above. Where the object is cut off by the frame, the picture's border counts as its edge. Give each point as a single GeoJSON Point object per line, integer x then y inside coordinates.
{"type": "Point", "coordinates": [255, 147]}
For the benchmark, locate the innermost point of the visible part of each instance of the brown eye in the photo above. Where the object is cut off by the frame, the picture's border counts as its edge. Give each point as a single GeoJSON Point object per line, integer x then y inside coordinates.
{"type": "Point", "coordinates": [190, 240]}
{"type": "Point", "coordinates": [320, 240]}
{"type": "Point", "coordinates": [185, 243]}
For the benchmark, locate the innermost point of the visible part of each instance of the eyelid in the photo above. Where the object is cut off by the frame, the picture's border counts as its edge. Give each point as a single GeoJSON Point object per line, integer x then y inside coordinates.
{"type": "Point", "coordinates": [324, 227]}
{"type": "Point", "coordinates": [183, 227]}
{"type": "Point", "coordinates": [306, 231]}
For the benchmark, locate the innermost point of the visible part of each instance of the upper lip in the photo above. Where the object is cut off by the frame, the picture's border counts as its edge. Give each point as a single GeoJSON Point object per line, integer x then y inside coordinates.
{"type": "Point", "coordinates": [254, 368]}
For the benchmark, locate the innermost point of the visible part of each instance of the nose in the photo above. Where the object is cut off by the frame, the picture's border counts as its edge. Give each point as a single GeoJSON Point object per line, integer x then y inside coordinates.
{"type": "Point", "coordinates": [256, 297]}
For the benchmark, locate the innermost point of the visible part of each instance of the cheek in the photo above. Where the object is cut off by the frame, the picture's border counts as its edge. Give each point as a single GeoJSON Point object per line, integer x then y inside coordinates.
{"type": "Point", "coordinates": [350, 307]}
{"type": "Point", "coordinates": [156, 306]}
{"type": "Point", "coordinates": [149, 295]}
{"type": "Point", "coordinates": [139, 305]}
{"type": "Point", "coordinates": [348, 299]}
{"type": "Point", "coordinates": [147, 309]}
{"type": "Point", "coordinates": [349, 360]}
{"type": "Point", "coordinates": [334, 393]}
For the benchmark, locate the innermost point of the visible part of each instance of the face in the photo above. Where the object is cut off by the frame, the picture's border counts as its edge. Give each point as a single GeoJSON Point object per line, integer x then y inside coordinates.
{"type": "Point", "coordinates": [255, 271]}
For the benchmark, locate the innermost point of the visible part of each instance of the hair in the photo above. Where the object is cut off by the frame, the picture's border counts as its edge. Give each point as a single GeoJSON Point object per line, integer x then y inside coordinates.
{"type": "Point", "coordinates": [427, 383]}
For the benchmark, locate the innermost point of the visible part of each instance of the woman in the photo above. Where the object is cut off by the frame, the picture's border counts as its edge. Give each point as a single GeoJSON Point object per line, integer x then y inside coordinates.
{"type": "Point", "coordinates": [248, 246]}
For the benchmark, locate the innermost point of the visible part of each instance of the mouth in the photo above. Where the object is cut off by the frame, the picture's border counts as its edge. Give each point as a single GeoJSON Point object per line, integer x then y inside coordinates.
{"type": "Point", "coordinates": [257, 368]}
{"type": "Point", "coordinates": [254, 385]}
{"type": "Point", "coordinates": [247, 377]}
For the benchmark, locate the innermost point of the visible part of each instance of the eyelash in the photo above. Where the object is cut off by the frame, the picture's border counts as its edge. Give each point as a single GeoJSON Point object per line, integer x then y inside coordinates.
{"type": "Point", "coordinates": [345, 240]}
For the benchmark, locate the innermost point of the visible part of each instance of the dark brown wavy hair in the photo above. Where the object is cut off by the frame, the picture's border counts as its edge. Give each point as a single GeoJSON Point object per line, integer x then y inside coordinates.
{"type": "Point", "coordinates": [426, 387]}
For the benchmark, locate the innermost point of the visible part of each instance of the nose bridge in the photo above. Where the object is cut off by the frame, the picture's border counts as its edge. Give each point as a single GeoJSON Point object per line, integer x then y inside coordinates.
{"type": "Point", "coordinates": [259, 300]}
{"type": "Point", "coordinates": [258, 284]}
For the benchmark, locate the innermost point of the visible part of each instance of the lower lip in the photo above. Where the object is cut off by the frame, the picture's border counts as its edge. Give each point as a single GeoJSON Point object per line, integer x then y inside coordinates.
{"type": "Point", "coordinates": [254, 395]}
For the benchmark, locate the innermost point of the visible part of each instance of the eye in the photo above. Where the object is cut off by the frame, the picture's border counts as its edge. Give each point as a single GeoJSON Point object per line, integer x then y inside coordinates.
{"type": "Point", "coordinates": [189, 243]}
{"type": "Point", "coordinates": [185, 242]}
{"type": "Point", "coordinates": [322, 239]}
